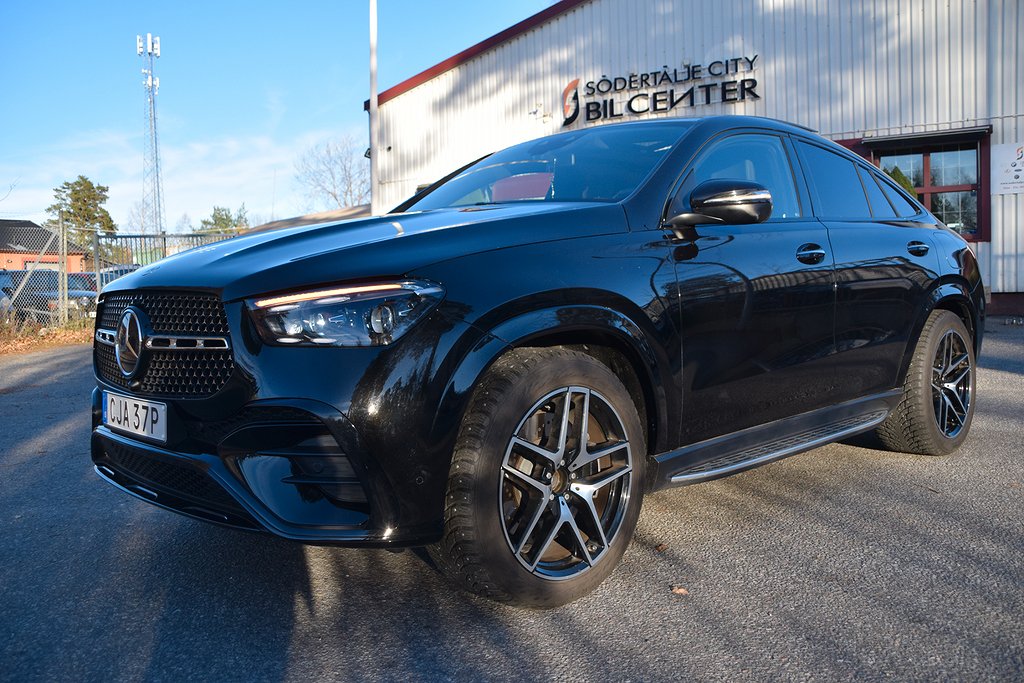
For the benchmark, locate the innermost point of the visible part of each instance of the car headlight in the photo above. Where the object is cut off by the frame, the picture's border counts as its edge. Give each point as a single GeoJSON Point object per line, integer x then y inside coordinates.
{"type": "Point", "coordinates": [364, 315]}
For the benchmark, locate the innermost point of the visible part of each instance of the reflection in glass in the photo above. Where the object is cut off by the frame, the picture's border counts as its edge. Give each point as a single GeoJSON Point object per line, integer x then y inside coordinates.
{"type": "Point", "coordinates": [910, 165]}
{"type": "Point", "coordinates": [600, 164]}
{"type": "Point", "coordinates": [754, 157]}
{"type": "Point", "coordinates": [958, 210]}
{"type": "Point", "coordinates": [954, 167]}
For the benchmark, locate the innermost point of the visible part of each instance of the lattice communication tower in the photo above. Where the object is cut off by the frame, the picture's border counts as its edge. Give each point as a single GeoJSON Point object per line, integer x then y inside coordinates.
{"type": "Point", "coordinates": [148, 47]}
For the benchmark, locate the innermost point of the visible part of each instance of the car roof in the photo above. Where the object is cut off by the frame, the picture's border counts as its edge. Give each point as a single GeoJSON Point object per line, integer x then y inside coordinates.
{"type": "Point", "coordinates": [717, 120]}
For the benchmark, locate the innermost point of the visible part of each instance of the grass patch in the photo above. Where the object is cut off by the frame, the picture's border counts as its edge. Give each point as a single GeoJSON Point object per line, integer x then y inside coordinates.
{"type": "Point", "coordinates": [29, 337]}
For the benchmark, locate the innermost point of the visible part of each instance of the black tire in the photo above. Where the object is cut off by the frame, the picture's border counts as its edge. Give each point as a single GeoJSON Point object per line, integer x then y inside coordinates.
{"type": "Point", "coordinates": [518, 526]}
{"type": "Point", "coordinates": [934, 415]}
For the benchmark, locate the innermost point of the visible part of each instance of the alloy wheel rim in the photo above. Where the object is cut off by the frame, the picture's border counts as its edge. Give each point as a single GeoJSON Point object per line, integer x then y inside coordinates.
{"type": "Point", "coordinates": [565, 483]}
{"type": "Point", "coordinates": [952, 384]}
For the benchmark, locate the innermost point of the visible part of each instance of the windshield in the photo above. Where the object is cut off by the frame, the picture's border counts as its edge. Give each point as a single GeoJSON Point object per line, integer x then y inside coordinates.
{"type": "Point", "coordinates": [601, 164]}
{"type": "Point", "coordinates": [83, 281]}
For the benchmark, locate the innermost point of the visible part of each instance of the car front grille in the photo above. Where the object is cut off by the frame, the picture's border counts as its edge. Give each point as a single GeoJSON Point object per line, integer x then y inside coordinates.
{"type": "Point", "coordinates": [169, 373]}
{"type": "Point", "coordinates": [211, 433]}
{"type": "Point", "coordinates": [178, 485]}
{"type": "Point", "coordinates": [179, 479]}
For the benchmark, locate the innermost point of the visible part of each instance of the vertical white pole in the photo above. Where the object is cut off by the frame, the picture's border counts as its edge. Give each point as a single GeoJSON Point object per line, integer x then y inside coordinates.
{"type": "Point", "coordinates": [62, 282]}
{"type": "Point", "coordinates": [374, 123]}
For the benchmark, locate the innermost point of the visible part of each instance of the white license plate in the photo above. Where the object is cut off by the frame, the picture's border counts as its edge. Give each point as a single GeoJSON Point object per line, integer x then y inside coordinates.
{"type": "Point", "coordinates": [127, 414]}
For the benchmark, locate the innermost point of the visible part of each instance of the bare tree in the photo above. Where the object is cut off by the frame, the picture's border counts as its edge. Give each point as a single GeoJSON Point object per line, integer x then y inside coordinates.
{"type": "Point", "coordinates": [10, 190]}
{"type": "Point", "coordinates": [135, 222]}
{"type": "Point", "coordinates": [256, 219]}
{"type": "Point", "coordinates": [334, 174]}
{"type": "Point", "coordinates": [184, 224]}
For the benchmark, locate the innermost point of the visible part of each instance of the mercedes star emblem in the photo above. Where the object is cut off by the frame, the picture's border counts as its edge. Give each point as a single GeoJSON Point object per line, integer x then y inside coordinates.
{"type": "Point", "coordinates": [128, 344]}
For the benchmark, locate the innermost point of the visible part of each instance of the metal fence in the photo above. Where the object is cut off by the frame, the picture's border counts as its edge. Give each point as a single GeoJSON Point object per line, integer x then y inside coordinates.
{"type": "Point", "coordinates": [49, 279]}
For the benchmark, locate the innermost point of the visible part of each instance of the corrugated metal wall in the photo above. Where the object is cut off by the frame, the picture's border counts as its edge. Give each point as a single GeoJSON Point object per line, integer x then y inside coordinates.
{"type": "Point", "coordinates": [846, 69]}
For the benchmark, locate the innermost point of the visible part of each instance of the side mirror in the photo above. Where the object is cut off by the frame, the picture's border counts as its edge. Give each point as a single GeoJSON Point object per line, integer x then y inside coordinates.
{"type": "Point", "coordinates": [731, 202]}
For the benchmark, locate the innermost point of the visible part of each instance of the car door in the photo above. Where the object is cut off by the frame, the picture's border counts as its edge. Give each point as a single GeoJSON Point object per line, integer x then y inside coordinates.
{"type": "Point", "coordinates": [884, 263]}
{"type": "Point", "coordinates": [756, 301]}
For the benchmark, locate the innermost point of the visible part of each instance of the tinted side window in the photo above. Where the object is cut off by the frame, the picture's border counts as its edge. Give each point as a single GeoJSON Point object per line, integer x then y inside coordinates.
{"type": "Point", "coordinates": [748, 156]}
{"type": "Point", "coordinates": [42, 279]}
{"type": "Point", "coordinates": [835, 187]}
{"type": "Point", "coordinates": [880, 206]}
{"type": "Point", "coordinates": [904, 207]}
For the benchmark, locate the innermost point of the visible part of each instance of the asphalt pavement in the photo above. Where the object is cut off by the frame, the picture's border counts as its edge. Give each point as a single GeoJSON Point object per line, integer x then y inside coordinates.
{"type": "Point", "coordinates": [838, 564]}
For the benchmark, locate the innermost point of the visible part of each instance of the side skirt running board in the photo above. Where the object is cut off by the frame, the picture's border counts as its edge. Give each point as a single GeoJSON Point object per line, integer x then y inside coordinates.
{"type": "Point", "coordinates": [725, 455]}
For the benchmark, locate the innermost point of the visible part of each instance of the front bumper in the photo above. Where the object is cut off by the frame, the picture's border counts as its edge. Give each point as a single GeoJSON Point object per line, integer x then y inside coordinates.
{"type": "Point", "coordinates": [292, 467]}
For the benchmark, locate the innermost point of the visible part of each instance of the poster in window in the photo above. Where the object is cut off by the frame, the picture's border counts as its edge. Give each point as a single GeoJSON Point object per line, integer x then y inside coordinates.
{"type": "Point", "coordinates": [1008, 168]}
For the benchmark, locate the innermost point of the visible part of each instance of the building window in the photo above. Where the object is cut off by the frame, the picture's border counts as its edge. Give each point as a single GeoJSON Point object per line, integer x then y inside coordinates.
{"type": "Point", "coordinates": [947, 169]}
{"type": "Point", "coordinates": [946, 181]}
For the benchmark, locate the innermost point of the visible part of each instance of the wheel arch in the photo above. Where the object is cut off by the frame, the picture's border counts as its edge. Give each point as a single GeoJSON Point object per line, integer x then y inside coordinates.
{"type": "Point", "coordinates": [607, 335]}
{"type": "Point", "coordinates": [950, 295]}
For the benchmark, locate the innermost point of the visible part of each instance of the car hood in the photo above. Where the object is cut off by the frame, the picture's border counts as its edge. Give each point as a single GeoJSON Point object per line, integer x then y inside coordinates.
{"type": "Point", "coordinates": [390, 245]}
{"type": "Point", "coordinates": [78, 294]}
{"type": "Point", "coordinates": [54, 294]}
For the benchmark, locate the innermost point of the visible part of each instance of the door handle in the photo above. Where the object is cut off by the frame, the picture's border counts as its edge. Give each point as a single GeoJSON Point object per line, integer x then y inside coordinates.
{"type": "Point", "coordinates": [810, 253]}
{"type": "Point", "coordinates": [917, 248]}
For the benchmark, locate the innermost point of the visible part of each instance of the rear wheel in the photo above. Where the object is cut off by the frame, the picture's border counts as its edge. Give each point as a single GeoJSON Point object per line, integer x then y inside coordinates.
{"type": "Point", "coordinates": [934, 415]}
{"type": "Point", "coordinates": [546, 481]}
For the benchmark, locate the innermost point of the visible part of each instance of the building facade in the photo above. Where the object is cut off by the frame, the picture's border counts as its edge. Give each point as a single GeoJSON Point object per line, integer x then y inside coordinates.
{"type": "Point", "coordinates": [25, 245]}
{"type": "Point", "coordinates": [930, 90]}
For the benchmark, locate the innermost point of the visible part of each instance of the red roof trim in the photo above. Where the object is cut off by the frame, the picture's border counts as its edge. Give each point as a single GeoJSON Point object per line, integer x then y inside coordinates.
{"type": "Point", "coordinates": [478, 49]}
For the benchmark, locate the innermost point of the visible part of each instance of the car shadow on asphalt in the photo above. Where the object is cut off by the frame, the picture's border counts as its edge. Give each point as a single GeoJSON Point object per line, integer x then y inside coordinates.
{"type": "Point", "coordinates": [323, 611]}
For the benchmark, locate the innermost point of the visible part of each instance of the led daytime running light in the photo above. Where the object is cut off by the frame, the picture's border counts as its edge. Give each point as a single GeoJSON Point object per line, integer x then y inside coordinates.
{"type": "Point", "coordinates": [320, 294]}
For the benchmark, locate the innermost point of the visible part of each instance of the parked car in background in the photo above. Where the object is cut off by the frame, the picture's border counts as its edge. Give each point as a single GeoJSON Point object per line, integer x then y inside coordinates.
{"type": "Point", "coordinates": [502, 367]}
{"type": "Point", "coordinates": [34, 295]}
{"type": "Point", "coordinates": [85, 281]}
{"type": "Point", "coordinates": [111, 273]}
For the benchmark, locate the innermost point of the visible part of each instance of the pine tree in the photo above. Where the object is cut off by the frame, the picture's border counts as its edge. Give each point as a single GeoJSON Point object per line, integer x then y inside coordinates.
{"type": "Point", "coordinates": [81, 203]}
{"type": "Point", "coordinates": [896, 174]}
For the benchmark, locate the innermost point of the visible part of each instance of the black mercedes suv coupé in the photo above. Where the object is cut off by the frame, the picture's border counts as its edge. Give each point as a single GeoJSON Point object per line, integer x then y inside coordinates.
{"type": "Point", "coordinates": [503, 366]}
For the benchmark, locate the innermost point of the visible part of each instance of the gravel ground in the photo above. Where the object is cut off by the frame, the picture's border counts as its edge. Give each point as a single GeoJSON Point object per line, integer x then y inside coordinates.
{"type": "Point", "coordinates": [842, 563]}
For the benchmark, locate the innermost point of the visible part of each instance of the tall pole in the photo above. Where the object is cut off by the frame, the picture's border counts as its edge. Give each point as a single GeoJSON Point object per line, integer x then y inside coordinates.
{"type": "Point", "coordinates": [148, 47]}
{"type": "Point", "coordinates": [62, 282]}
{"type": "Point", "coordinates": [96, 259]}
{"type": "Point", "coordinates": [374, 123]}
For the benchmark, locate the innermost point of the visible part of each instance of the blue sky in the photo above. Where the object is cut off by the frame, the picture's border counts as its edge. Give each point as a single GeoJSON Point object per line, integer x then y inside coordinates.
{"type": "Point", "coordinates": [245, 87]}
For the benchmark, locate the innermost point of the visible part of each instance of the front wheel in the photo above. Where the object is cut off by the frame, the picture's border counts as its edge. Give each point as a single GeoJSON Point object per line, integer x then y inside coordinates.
{"type": "Point", "coordinates": [934, 415]}
{"type": "Point", "coordinates": [546, 481]}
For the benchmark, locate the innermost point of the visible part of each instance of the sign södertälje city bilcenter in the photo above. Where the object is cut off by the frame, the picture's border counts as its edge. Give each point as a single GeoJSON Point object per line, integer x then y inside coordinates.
{"type": "Point", "coordinates": [661, 90]}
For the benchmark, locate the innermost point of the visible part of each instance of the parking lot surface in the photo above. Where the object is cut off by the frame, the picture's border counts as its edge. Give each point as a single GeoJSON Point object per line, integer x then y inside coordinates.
{"type": "Point", "coordinates": [842, 563]}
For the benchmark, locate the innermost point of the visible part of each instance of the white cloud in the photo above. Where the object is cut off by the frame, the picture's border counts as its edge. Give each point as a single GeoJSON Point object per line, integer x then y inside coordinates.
{"type": "Point", "coordinates": [102, 155]}
{"type": "Point", "coordinates": [258, 170]}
